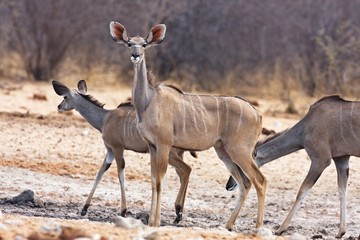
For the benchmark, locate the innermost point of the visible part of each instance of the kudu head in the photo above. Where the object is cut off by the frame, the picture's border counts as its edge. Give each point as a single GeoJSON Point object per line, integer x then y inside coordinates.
{"type": "Point", "coordinates": [137, 45]}
{"type": "Point", "coordinates": [69, 95]}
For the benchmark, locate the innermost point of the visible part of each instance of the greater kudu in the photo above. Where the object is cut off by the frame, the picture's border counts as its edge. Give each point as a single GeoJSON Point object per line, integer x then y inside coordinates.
{"type": "Point", "coordinates": [330, 130]}
{"type": "Point", "coordinates": [119, 132]}
{"type": "Point", "coordinates": [167, 117]}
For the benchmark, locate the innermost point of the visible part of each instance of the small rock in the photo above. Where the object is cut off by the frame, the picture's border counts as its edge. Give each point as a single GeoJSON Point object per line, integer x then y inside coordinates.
{"type": "Point", "coordinates": [18, 237]}
{"type": "Point", "coordinates": [297, 236]}
{"type": "Point", "coordinates": [317, 236]}
{"type": "Point", "coordinates": [55, 231]}
{"type": "Point", "coordinates": [51, 228]}
{"type": "Point", "coordinates": [26, 196]}
{"type": "Point", "coordinates": [264, 233]}
{"type": "Point", "coordinates": [84, 133]}
{"type": "Point", "coordinates": [143, 216]}
{"type": "Point", "coordinates": [13, 222]}
{"type": "Point", "coordinates": [128, 223]}
{"type": "Point", "coordinates": [3, 227]}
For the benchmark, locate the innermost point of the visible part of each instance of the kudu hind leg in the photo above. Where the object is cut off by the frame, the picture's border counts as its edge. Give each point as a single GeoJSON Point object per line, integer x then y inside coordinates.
{"type": "Point", "coordinates": [315, 171]}
{"type": "Point", "coordinates": [244, 188]}
{"type": "Point", "coordinates": [239, 176]}
{"type": "Point", "coordinates": [342, 168]}
{"type": "Point", "coordinates": [243, 158]}
{"type": "Point", "coordinates": [104, 167]}
{"type": "Point", "coordinates": [183, 171]}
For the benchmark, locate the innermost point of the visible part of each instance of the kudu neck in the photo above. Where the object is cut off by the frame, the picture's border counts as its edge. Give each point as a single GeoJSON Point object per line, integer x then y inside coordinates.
{"type": "Point", "coordinates": [142, 91]}
{"type": "Point", "coordinates": [92, 113]}
{"type": "Point", "coordinates": [286, 143]}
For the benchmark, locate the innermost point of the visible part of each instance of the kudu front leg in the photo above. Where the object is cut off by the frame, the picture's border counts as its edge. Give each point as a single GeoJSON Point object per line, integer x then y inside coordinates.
{"type": "Point", "coordinates": [159, 161]}
{"type": "Point", "coordinates": [120, 163]}
{"type": "Point", "coordinates": [104, 167]}
{"type": "Point", "coordinates": [183, 171]}
{"type": "Point", "coordinates": [342, 168]}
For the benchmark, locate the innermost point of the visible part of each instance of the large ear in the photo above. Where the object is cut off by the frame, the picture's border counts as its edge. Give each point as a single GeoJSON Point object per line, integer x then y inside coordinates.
{"type": "Point", "coordinates": [82, 88]}
{"type": "Point", "coordinates": [60, 88]}
{"type": "Point", "coordinates": [118, 32]}
{"type": "Point", "coordinates": [156, 34]}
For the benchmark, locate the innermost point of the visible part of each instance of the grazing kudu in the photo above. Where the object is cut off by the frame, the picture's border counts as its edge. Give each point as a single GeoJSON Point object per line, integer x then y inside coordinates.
{"type": "Point", "coordinates": [167, 117]}
{"type": "Point", "coordinates": [330, 130]}
{"type": "Point", "coordinates": [119, 132]}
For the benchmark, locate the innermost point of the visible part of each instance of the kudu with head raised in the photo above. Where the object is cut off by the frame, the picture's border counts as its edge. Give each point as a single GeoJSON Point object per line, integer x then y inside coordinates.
{"type": "Point", "coordinates": [167, 117]}
{"type": "Point", "coordinates": [119, 132]}
{"type": "Point", "coordinates": [330, 130]}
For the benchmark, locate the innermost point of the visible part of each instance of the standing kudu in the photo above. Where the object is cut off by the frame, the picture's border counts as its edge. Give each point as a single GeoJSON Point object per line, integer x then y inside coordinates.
{"type": "Point", "coordinates": [330, 130]}
{"type": "Point", "coordinates": [167, 117]}
{"type": "Point", "coordinates": [119, 132]}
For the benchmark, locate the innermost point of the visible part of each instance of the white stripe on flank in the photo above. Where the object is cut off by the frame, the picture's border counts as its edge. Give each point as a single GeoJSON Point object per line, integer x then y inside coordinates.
{"type": "Point", "coordinates": [352, 121]}
{"type": "Point", "coordinates": [218, 114]}
{"type": "Point", "coordinates": [240, 118]}
{"type": "Point", "coordinates": [227, 111]}
{"type": "Point", "coordinates": [125, 123]}
{"type": "Point", "coordinates": [131, 129]}
{"type": "Point", "coordinates": [202, 113]}
{"type": "Point", "coordinates": [194, 113]}
{"type": "Point", "coordinates": [341, 125]}
{"type": "Point", "coordinates": [129, 124]}
{"type": "Point", "coordinates": [184, 113]}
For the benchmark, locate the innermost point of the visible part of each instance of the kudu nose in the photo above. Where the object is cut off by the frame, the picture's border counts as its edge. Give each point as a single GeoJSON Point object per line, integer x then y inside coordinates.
{"type": "Point", "coordinates": [59, 109]}
{"type": "Point", "coordinates": [135, 55]}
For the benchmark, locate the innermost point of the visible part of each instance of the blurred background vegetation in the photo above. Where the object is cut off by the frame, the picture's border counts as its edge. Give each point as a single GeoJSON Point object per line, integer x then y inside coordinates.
{"type": "Point", "coordinates": [263, 47]}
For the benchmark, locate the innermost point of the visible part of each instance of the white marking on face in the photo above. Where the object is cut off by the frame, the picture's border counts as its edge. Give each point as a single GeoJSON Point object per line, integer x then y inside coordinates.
{"type": "Point", "coordinates": [135, 59]}
{"type": "Point", "coordinates": [203, 114]}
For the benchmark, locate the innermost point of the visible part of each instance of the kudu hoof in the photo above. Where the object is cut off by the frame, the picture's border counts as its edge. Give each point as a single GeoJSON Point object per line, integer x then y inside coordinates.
{"type": "Point", "coordinates": [84, 210]}
{"type": "Point", "coordinates": [279, 232]}
{"type": "Point", "coordinates": [178, 210]}
{"type": "Point", "coordinates": [178, 218]}
{"type": "Point", "coordinates": [123, 212]}
{"type": "Point", "coordinates": [340, 234]}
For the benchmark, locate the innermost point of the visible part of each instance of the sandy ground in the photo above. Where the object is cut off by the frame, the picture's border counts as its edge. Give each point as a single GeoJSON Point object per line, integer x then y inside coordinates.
{"type": "Point", "coordinates": [57, 156]}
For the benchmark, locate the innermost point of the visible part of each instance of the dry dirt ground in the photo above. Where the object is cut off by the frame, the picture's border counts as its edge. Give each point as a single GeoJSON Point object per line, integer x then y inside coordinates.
{"type": "Point", "coordinates": [57, 156]}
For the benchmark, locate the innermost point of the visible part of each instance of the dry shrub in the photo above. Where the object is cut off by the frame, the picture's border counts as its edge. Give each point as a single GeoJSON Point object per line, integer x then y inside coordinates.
{"type": "Point", "coordinates": [97, 75]}
{"type": "Point", "coordinates": [11, 67]}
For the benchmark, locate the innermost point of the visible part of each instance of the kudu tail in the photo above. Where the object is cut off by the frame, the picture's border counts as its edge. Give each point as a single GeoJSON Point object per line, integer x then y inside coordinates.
{"type": "Point", "coordinates": [194, 154]}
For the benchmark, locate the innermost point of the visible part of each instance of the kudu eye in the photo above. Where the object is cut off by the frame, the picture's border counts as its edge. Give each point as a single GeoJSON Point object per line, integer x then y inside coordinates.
{"type": "Point", "coordinates": [65, 97]}
{"type": "Point", "coordinates": [129, 44]}
{"type": "Point", "coordinates": [144, 45]}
